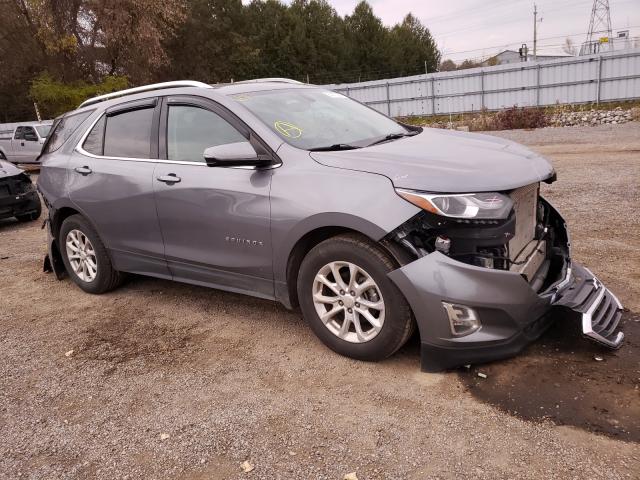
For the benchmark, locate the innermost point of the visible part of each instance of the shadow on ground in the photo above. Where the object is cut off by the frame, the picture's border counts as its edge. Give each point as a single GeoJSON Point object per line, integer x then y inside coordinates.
{"type": "Point", "coordinates": [561, 378]}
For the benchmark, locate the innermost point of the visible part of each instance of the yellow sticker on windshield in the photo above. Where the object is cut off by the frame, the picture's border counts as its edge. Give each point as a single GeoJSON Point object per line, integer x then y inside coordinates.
{"type": "Point", "coordinates": [241, 98]}
{"type": "Point", "coordinates": [288, 129]}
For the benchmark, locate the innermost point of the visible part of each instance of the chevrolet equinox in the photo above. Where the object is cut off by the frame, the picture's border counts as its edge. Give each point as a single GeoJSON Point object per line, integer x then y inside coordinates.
{"type": "Point", "coordinates": [299, 194]}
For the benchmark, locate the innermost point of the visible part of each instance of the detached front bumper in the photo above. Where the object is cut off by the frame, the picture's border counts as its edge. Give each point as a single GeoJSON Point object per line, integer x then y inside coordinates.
{"type": "Point", "coordinates": [511, 313]}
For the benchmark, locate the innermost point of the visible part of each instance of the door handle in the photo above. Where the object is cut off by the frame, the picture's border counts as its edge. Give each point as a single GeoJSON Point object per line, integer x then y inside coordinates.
{"type": "Point", "coordinates": [83, 170]}
{"type": "Point", "coordinates": [170, 178]}
{"type": "Point", "coordinates": [22, 144]}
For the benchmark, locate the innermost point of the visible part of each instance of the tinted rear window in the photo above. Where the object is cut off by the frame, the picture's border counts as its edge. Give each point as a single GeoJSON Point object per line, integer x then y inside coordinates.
{"type": "Point", "coordinates": [43, 130]}
{"type": "Point", "coordinates": [95, 140]}
{"type": "Point", "coordinates": [62, 129]}
{"type": "Point", "coordinates": [128, 134]}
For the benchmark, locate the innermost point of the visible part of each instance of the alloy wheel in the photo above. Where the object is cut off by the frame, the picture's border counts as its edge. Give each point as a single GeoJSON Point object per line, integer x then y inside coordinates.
{"type": "Point", "coordinates": [348, 302]}
{"type": "Point", "coordinates": [81, 255]}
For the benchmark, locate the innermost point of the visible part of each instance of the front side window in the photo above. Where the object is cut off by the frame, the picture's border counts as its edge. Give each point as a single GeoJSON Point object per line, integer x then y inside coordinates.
{"type": "Point", "coordinates": [191, 130]}
{"type": "Point", "coordinates": [128, 134]}
{"type": "Point", "coordinates": [311, 118]}
{"type": "Point", "coordinates": [62, 129]}
{"type": "Point", "coordinates": [30, 134]}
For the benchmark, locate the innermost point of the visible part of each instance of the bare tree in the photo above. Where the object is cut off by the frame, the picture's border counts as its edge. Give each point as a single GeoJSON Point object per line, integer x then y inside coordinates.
{"type": "Point", "coordinates": [447, 66]}
{"type": "Point", "coordinates": [569, 48]}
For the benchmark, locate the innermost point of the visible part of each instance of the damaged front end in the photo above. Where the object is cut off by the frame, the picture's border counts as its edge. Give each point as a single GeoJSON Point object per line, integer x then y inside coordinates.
{"type": "Point", "coordinates": [481, 289]}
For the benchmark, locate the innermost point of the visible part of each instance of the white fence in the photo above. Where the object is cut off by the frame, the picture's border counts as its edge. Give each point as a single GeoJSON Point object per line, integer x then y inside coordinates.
{"type": "Point", "coordinates": [593, 78]}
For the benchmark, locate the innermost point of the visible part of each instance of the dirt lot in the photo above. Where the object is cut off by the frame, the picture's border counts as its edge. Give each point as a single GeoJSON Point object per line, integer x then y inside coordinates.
{"type": "Point", "coordinates": [174, 381]}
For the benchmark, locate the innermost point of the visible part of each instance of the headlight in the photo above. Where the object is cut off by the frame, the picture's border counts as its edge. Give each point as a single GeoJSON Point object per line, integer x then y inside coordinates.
{"type": "Point", "coordinates": [486, 205]}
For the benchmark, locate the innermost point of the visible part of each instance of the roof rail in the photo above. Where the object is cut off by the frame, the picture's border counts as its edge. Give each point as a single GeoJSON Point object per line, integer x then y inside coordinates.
{"type": "Point", "coordinates": [274, 79]}
{"type": "Point", "coordinates": [144, 88]}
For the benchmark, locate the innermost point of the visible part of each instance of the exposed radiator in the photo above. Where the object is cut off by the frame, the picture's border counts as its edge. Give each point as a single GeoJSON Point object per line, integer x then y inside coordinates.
{"type": "Point", "coordinates": [525, 200]}
{"type": "Point", "coordinates": [522, 245]}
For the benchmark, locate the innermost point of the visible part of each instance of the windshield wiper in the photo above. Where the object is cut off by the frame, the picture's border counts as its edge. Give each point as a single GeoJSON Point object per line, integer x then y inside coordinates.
{"type": "Point", "coordinates": [393, 136]}
{"type": "Point", "coordinates": [334, 147]}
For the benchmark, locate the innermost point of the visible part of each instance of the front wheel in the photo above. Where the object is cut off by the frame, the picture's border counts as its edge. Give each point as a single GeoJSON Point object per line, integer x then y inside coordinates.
{"type": "Point", "coordinates": [85, 257]}
{"type": "Point", "coordinates": [348, 300]}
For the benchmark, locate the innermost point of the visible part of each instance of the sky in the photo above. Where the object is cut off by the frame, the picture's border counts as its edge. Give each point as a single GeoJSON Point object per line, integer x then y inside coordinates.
{"type": "Point", "coordinates": [480, 28]}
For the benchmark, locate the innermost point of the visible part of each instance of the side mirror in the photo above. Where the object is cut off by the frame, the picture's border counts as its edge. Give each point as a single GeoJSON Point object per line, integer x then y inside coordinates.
{"type": "Point", "coordinates": [240, 154]}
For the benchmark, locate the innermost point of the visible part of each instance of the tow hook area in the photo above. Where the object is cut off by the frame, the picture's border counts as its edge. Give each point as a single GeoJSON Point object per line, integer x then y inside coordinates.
{"type": "Point", "coordinates": [600, 309]}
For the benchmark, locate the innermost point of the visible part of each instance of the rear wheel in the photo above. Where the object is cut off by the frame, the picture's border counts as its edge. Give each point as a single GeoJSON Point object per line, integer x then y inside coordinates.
{"type": "Point", "coordinates": [348, 300]}
{"type": "Point", "coordinates": [85, 257]}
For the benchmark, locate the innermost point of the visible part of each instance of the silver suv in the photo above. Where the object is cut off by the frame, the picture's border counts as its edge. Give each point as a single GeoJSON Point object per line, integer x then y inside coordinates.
{"type": "Point", "coordinates": [299, 194]}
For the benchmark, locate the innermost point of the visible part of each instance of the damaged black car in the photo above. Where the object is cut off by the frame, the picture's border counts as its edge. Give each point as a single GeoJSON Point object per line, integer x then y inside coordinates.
{"type": "Point", "coordinates": [18, 195]}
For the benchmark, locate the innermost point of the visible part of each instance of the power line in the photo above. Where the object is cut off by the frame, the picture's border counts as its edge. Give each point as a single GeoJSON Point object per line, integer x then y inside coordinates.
{"type": "Point", "coordinates": [504, 45]}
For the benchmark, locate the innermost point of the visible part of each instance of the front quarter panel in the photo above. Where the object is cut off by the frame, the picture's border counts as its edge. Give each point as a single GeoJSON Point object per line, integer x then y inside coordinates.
{"type": "Point", "coordinates": [306, 196]}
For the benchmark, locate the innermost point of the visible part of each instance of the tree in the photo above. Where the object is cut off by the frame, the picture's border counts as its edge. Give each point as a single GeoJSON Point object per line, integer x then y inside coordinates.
{"type": "Point", "coordinates": [86, 39]}
{"type": "Point", "coordinates": [469, 64]}
{"type": "Point", "coordinates": [54, 97]}
{"type": "Point", "coordinates": [80, 42]}
{"type": "Point", "coordinates": [211, 45]}
{"type": "Point", "coordinates": [410, 46]}
{"type": "Point", "coordinates": [366, 43]}
{"type": "Point", "coordinates": [447, 66]}
{"type": "Point", "coordinates": [56, 51]}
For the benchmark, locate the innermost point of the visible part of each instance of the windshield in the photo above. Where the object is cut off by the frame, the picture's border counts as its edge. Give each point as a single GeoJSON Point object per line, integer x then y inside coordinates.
{"type": "Point", "coordinates": [317, 118]}
{"type": "Point", "coordinates": [43, 130]}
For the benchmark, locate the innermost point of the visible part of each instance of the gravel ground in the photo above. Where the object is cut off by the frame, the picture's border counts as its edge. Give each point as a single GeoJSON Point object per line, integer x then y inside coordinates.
{"type": "Point", "coordinates": [162, 380]}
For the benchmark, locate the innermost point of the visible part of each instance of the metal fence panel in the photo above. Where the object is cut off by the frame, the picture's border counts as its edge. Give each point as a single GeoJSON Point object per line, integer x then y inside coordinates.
{"type": "Point", "coordinates": [593, 78]}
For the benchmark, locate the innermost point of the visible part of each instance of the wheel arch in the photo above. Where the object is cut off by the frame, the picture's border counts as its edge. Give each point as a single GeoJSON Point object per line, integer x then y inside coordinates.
{"type": "Point", "coordinates": [57, 217]}
{"type": "Point", "coordinates": [314, 237]}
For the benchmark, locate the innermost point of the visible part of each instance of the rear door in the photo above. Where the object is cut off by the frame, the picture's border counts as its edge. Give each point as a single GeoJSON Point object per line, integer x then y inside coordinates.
{"type": "Point", "coordinates": [215, 221]}
{"type": "Point", "coordinates": [111, 182]}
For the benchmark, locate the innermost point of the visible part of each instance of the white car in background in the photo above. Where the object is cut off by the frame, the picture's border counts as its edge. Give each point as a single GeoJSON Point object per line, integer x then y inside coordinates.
{"type": "Point", "coordinates": [22, 142]}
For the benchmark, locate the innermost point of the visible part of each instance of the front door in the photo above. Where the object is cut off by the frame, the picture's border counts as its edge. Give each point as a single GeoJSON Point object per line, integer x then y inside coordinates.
{"type": "Point", "coordinates": [111, 182]}
{"type": "Point", "coordinates": [31, 145]}
{"type": "Point", "coordinates": [17, 145]}
{"type": "Point", "coordinates": [215, 221]}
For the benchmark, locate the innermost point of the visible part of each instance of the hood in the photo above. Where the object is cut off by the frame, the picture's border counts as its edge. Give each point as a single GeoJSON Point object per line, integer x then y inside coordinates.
{"type": "Point", "coordinates": [446, 161]}
{"type": "Point", "coordinates": [8, 169]}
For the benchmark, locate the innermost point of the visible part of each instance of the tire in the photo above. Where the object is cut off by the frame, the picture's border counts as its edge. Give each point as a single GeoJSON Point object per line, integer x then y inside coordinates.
{"type": "Point", "coordinates": [98, 275]}
{"type": "Point", "coordinates": [392, 322]}
{"type": "Point", "coordinates": [2, 157]}
{"type": "Point", "coordinates": [30, 217]}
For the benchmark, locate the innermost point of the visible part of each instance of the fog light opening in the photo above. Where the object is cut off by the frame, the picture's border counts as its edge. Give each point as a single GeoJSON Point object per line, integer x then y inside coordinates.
{"type": "Point", "coordinates": [462, 319]}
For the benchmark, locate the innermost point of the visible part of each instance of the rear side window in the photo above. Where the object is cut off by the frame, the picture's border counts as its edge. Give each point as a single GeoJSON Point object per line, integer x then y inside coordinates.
{"type": "Point", "coordinates": [62, 129]}
{"type": "Point", "coordinates": [19, 133]}
{"type": "Point", "coordinates": [94, 142]}
{"type": "Point", "coordinates": [128, 134]}
{"type": "Point", "coordinates": [43, 130]}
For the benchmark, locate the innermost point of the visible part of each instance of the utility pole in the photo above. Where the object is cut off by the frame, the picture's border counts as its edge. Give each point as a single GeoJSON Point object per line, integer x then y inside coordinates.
{"type": "Point", "coordinates": [535, 32]}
